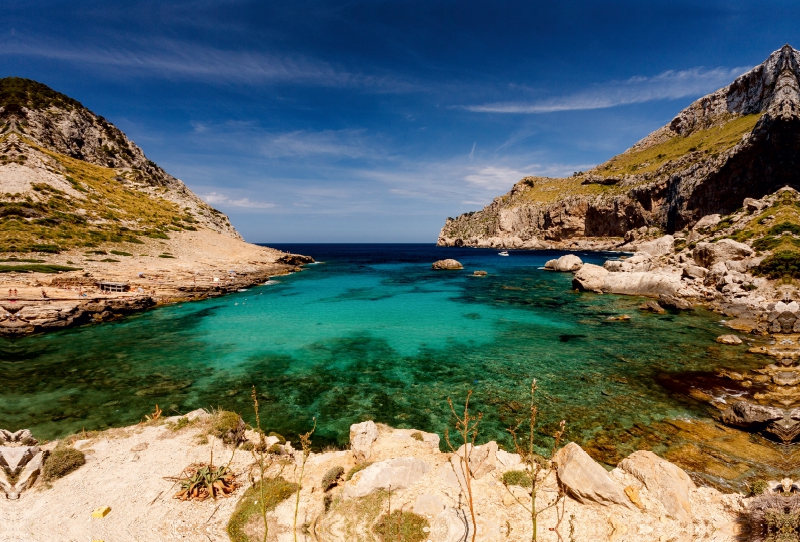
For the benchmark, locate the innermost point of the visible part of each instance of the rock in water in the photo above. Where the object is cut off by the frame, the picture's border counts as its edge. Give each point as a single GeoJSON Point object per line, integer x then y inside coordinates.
{"type": "Point", "coordinates": [480, 273]}
{"type": "Point", "coordinates": [585, 480]}
{"type": "Point", "coordinates": [448, 264]}
{"type": "Point", "coordinates": [567, 262]}
{"type": "Point", "coordinates": [652, 306]}
{"type": "Point", "coordinates": [729, 339]}
{"type": "Point", "coordinates": [674, 303]}
{"type": "Point", "coordinates": [590, 278]}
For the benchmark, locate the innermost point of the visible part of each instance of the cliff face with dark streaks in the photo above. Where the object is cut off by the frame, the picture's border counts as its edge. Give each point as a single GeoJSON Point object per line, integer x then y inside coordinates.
{"type": "Point", "coordinates": [738, 142]}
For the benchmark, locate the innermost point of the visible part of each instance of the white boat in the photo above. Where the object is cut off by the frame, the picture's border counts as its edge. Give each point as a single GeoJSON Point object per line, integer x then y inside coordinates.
{"type": "Point", "coordinates": [504, 253]}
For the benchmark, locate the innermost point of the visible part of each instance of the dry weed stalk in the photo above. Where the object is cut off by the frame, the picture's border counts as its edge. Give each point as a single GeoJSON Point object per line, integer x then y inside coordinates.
{"type": "Point", "coordinates": [524, 446]}
{"type": "Point", "coordinates": [155, 415]}
{"type": "Point", "coordinates": [261, 450]}
{"type": "Point", "coordinates": [305, 443]}
{"type": "Point", "coordinates": [467, 428]}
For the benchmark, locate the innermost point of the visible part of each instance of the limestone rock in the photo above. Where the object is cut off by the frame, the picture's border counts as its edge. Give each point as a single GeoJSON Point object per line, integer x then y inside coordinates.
{"type": "Point", "coordinates": [695, 271]}
{"type": "Point", "coordinates": [652, 306]}
{"type": "Point", "coordinates": [362, 436]}
{"type": "Point", "coordinates": [391, 474]}
{"type": "Point", "coordinates": [30, 473]}
{"type": "Point", "coordinates": [448, 264]}
{"type": "Point", "coordinates": [644, 284]}
{"type": "Point", "coordinates": [585, 480]}
{"type": "Point", "coordinates": [744, 414]}
{"type": "Point", "coordinates": [590, 278]}
{"type": "Point", "coordinates": [708, 221]}
{"type": "Point", "coordinates": [428, 505]}
{"type": "Point", "coordinates": [658, 247]}
{"type": "Point", "coordinates": [567, 262]}
{"type": "Point", "coordinates": [708, 254]}
{"type": "Point", "coordinates": [482, 459]}
{"type": "Point", "coordinates": [674, 303]}
{"type": "Point", "coordinates": [480, 273]}
{"type": "Point", "coordinates": [667, 482]}
{"type": "Point", "coordinates": [729, 339]}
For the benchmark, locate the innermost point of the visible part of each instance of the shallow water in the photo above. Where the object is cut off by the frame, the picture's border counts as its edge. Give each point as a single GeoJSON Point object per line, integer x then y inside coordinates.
{"type": "Point", "coordinates": [374, 333]}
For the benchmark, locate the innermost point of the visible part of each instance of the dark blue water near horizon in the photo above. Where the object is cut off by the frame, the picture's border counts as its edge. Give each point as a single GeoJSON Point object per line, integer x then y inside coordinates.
{"type": "Point", "coordinates": [372, 332]}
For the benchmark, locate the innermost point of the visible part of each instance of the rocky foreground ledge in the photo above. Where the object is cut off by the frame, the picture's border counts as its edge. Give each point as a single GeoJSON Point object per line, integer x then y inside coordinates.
{"type": "Point", "coordinates": [345, 493]}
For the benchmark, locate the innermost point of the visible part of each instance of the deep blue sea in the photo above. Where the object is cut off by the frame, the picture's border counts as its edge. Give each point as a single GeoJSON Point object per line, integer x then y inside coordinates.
{"type": "Point", "coordinates": [372, 332]}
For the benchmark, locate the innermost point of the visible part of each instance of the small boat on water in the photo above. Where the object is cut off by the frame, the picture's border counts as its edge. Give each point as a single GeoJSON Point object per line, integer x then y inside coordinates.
{"type": "Point", "coordinates": [504, 253]}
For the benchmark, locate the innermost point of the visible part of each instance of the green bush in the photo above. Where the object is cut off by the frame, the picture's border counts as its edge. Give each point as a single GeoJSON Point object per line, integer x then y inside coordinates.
{"type": "Point", "coordinates": [785, 263]}
{"type": "Point", "coordinates": [778, 229]}
{"type": "Point", "coordinates": [36, 268]}
{"type": "Point", "coordinates": [416, 435]}
{"type": "Point", "coordinates": [62, 461]}
{"type": "Point", "coordinates": [121, 253]}
{"type": "Point", "coordinates": [757, 487]}
{"type": "Point", "coordinates": [248, 510]}
{"type": "Point", "coordinates": [331, 477]}
{"type": "Point", "coordinates": [517, 478]}
{"type": "Point", "coordinates": [402, 526]}
{"type": "Point", "coordinates": [228, 426]}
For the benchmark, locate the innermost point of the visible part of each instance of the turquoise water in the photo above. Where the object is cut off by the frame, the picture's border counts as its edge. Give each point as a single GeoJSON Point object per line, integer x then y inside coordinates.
{"type": "Point", "coordinates": [373, 333]}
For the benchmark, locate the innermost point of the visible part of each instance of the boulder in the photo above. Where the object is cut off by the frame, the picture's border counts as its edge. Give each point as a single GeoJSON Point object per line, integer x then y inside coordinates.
{"type": "Point", "coordinates": [729, 339]}
{"type": "Point", "coordinates": [585, 480]}
{"type": "Point", "coordinates": [658, 247]}
{"type": "Point", "coordinates": [666, 482]}
{"type": "Point", "coordinates": [362, 436]}
{"type": "Point", "coordinates": [448, 264]}
{"type": "Point", "coordinates": [590, 278]}
{"type": "Point", "coordinates": [694, 271]}
{"type": "Point", "coordinates": [652, 306]}
{"type": "Point", "coordinates": [707, 221]}
{"type": "Point", "coordinates": [708, 254]}
{"type": "Point", "coordinates": [480, 273]}
{"type": "Point", "coordinates": [644, 284]}
{"type": "Point", "coordinates": [753, 205]}
{"type": "Point", "coordinates": [30, 473]}
{"type": "Point", "coordinates": [482, 459]}
{"type": "Point", "coordinates": [392, 474]}
{"type": "Point", "coordinates": [750, 415]}
{"type": "Point", "coordinates": [567, 262]}
{"type": "Point", "coordinates": [674, 303]}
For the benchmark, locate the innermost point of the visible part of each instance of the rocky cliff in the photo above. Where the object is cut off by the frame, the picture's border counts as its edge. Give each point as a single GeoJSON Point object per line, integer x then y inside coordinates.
{"type": "Point", "coordinates": [70, 178]}
{"type": "Point", "coordinates": [742, 141]}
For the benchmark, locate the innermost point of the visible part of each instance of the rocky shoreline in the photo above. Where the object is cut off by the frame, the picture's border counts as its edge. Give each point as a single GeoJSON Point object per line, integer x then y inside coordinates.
{"type": "Point", "coordinates": [345, 493]}
{"type": "Point", "coordinates": [74, 299]}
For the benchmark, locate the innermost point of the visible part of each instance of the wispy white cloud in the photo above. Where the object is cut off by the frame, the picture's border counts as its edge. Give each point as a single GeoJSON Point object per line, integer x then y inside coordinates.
{"type": "Point", "coordinates": [667, 85]}
{"type": "Point", "coordinates": [336, 143]}
{"type": "Point", "coordinates": [184, 60]}
{"type": "Point", "coordinates": [215, 198]}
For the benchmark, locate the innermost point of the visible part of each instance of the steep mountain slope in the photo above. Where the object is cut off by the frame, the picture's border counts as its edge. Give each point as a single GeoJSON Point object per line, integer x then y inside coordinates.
{"type": "Point", "coordinates": [741, 141]}
{"type": "Point", "coordinates": [68, 178]}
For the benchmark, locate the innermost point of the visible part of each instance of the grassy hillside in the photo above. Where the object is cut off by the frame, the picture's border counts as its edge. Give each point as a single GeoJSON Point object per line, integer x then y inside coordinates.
{"type": "Point", "coordinates": [106, 211]}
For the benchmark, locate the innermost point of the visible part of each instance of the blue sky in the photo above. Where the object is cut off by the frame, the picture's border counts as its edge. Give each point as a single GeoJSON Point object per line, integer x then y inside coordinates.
{"type": "Point", "coordinates": [311, 121]}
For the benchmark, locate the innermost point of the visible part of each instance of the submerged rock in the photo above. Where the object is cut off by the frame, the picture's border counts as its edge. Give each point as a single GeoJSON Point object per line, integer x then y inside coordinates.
{"type": "Point", "coordinates": [448, 264]}
{"type": "Point", "coordinates": [652, 306]}
{"type": "Point", "coordinates": [729, 339]}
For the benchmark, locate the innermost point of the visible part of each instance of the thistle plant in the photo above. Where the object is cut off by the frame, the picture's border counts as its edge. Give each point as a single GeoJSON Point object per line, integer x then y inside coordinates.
{"type": "Point", "coordinates": [467, 429]}
{"type": "Point", "coordinates": [534, 465]}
